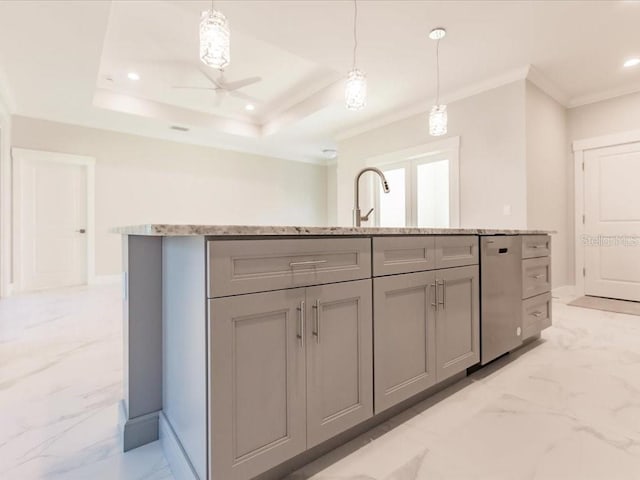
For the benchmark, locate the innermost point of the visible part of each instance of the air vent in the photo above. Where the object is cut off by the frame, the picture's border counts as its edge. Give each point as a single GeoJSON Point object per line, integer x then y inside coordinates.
{"type": "Point", "coordinates": [179, 128]}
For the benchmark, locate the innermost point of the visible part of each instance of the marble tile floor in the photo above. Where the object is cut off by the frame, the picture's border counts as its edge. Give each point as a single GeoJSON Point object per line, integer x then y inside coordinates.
{"type": "Point", "coordinates": [565, 408]}
{"type": "Point", "coordinates": [60, 386]}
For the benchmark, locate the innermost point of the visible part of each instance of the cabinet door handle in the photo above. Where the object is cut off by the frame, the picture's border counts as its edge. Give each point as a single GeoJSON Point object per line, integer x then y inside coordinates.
{"type": "Point", "coordinates": [434, 304]}
{"type": "Point", "coordinates": [309, 263]}
{"type": "Point", "coordinates": [300, 329]}
{"type": "Point", "coordinates": [537, 314]}
{"type": "Point", "coordinates": [316, 329]}
{"type": "Point", "coordinates": [443, 284]}
{"type": "Point", "coordinates": [538, 276]}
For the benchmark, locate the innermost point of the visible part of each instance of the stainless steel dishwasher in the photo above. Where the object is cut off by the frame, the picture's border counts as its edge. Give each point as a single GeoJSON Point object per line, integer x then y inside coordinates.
{"type": "Point", "coordinates": [501, 295]}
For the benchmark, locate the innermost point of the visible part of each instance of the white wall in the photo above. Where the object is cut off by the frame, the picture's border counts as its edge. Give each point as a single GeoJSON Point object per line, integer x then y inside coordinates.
{"type": "Point", "coordinates": [548, 165]}
{"type": "Point", "coordinates": [332, 194]}
{"type": "Point", "coordinates": [142, 180]}
{"type": "Point", "coordinates": [615, 115]}
{"type": "Point", "coordinates": [5, 199]}
{"type": "Point", "coordinates": [491, 126]}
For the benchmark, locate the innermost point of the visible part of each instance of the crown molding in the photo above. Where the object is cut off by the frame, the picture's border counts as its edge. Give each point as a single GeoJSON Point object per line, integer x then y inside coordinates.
{"type": "Point", "coordinates": [601, 96]}
{"type": "Point", "coordinates": [537, 78]}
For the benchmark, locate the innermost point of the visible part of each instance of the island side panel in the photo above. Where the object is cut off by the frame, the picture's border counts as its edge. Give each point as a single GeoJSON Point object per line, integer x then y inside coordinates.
{"type": "Point", "coordinates": [142, 316]}
{"type": "Point", "coordinates": [185, 355]}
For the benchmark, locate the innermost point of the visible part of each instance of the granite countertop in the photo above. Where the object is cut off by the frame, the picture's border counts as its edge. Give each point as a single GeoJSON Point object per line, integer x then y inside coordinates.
{"type": "Point", "coordinates": [166, 230]}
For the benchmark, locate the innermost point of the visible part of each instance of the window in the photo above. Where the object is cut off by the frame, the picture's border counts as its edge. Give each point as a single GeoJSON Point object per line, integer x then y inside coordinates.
{"type": "Point", "coordinates": [424, 187]}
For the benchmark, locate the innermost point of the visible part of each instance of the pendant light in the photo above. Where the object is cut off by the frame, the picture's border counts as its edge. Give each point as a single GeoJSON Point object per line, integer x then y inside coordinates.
{"type": "Point", "coordinates": [438, 114]}
{"type": "Point", "coordinates": [355, 93]}
{"type": "Point", "coordinates": [215, 39]}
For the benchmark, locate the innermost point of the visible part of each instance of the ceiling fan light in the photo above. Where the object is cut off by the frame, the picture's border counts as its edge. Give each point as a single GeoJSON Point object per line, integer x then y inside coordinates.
{"type": "Point", "coordinates": [355, 92]}
{"type": "Point", "coordinates": [438, 120]}
{"type": "Point", "coordinates": [215, 39]}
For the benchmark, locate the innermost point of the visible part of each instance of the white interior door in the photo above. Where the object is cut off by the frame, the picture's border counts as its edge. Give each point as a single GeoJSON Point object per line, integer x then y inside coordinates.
{"type": "Point", "coordinates": [53, 221]}
{"type": "Point", "coordinates": [612, 221]}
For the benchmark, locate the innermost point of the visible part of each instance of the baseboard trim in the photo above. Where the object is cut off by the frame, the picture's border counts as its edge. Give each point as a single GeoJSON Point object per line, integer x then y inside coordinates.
{"type": "Point", "coordinates": [106, 279]}
{"type": "Point", "coordinates": [137, 431]}
{"type": "Point", "coordinates": [564, 291]}
{"type": "Point", "coordinates": [179, 462]}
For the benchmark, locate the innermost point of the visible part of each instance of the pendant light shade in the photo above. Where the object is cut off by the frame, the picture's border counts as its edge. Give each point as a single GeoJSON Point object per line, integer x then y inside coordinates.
{"type": "Point", "coordinates": [355, 93]}
{"type": "Point", "coordinates": [438, 120]}
{"type": "Point", "coordinates": [438, 115]}
{"type": "Point", "coordinates": [215, 39]}
{"type": "Point", "coordinates": [355, 90]}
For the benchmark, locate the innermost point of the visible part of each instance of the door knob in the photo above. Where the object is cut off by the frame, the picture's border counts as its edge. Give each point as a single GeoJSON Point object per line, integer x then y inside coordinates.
{"type": "Point", "coordinates": [82, 230]}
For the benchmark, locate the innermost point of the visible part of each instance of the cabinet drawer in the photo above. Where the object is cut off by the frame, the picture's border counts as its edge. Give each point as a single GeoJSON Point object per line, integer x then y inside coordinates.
{"type": "Point", "coordinates": [456, 251]}
{"type": "Point", "coordinates": [536, 246]}
{"type": "Point", "coordinates": [536, 276]}
{"type": "Point", "coordinates": [536, 315]}
{"type": "Point", "coordinates": [393, 255]}
{"type": "Point", "coordinates": [246, 266]}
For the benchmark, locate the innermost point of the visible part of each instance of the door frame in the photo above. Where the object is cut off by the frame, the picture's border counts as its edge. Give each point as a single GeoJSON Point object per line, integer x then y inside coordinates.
{"type": "Point", "coordinates": [20, 155]}
{"type": "Point", "coordinates": [579, 149]}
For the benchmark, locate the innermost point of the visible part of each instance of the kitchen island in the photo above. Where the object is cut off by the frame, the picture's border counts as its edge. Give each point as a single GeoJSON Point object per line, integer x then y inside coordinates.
{"type": "Point", "coordinates": [249, 351]}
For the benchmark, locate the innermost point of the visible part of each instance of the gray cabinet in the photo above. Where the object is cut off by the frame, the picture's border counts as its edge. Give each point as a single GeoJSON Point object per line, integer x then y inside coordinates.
{"type": "Point", "coordinates": [339, 358]}
{"type": "Point", "coordinates": [457, 321]}
{"type": "Point", "coordinates": [256, 382]}
{"type": "Point", "coordinates": [405, 337]}
{"type": "Point", "coordinates": [393, 255]}
{"type": "Point", "coordinates": [536, 315]}
{"type": "Point", "coordinates": [536, 276]}
{"type": "Point", "coordinates": [426, 329]}
{"type": "Point", "coordinates": [247, 266]}
{"type": "Point", "coordinates": [456, 251]}
{"type": "Point", "coordinates": [289, 369]}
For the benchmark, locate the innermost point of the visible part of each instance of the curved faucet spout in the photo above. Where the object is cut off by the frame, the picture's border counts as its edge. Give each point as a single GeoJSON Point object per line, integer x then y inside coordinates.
{"type": "Point", "coordinates": [357, 214]}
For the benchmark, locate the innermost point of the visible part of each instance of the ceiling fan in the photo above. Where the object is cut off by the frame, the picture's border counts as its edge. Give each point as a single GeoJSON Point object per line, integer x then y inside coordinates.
{"type": "Point", "coordinates": [222, 88]}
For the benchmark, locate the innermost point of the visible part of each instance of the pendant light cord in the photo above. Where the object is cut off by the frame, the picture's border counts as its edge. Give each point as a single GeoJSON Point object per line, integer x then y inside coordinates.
{"type": "Point", "coordinates": [355, 31]}
{"type": "Point", "coordinates": [438, 72]}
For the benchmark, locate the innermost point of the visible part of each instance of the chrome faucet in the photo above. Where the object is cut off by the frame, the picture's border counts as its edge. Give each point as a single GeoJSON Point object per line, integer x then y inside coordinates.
{"type": "Point", "coordinates": [357, 214]}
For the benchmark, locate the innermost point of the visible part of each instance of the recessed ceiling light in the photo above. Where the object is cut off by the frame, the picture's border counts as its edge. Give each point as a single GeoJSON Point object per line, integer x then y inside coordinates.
{"type": "Point", "coordinates": [249, 107]}
{"type": "Point", "coordinates": [330, 153]}
{"type": "Point", "coordinates": [133, 76]}
{"type": "Point", "coordinates": [632, 62]}
{"type": "Point", "coordinates": [437, 33]}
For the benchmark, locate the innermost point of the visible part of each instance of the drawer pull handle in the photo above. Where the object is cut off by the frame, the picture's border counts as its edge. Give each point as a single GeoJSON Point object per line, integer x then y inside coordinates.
{"type": "Point", "coordinates": [538, 246]}
{"type": "Point", "coordinates": [537, 314]}
{"type": "Point", "coordinates": [309, 263]}
{"type": "Point", "coordinates": [538, 276]}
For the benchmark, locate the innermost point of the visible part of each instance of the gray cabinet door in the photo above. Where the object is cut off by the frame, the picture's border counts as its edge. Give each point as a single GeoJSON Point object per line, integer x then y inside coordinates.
{"type": "Point", "coordinates": [339, 358]}
{"type": "Point", "coordinates": [256, 382]}
{"type": "Point", "coordinates": [457, 320]}
{"type": "Point", "coordinates": [404, 337]}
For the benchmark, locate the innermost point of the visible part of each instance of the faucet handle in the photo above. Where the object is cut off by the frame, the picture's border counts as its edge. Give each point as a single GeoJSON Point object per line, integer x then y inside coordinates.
{"type": "Point", "coordinates": [365, 218]}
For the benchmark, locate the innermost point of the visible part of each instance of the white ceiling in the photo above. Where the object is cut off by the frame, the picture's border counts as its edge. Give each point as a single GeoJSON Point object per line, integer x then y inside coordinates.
{"type": "Point", "coordinates": [57, 56]}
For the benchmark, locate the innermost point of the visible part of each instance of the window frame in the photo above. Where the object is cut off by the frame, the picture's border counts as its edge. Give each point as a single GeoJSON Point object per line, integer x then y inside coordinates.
{"type": "Point", "coordinates": [446, 149]}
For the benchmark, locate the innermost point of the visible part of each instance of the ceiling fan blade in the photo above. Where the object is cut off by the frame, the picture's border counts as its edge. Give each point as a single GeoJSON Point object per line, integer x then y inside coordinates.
{"type": "Point", "coordinates": [194, 88]}
{"type": "Point", "coordinates": [245, 82]}
{"type": "Point", "coordinates": [244, 96]}
{"type": "Point", "coordinates": [217, 83]}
